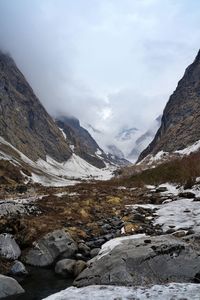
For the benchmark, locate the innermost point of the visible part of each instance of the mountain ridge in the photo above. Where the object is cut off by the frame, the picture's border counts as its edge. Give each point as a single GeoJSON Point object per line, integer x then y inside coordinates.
{"type": "Point", "coordinates": [181, 116]}
{"type": "Point", "coordinates": [24, 122]}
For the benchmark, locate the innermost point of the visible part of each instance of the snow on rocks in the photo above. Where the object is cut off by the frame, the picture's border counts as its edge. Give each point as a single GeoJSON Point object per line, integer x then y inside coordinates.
{"type": "Point", "coordinates": [175, 291]}
{"type": "Point", "coordinates": [180, 211]}
{"type": "Point", "coordinates": [175, 215]}
{"type": "Point", "coordinates": [110, 245]}
{"type": "Point", "coordinates": [141, 261]}
{"type": "Point", "coordinates": [190, 149]}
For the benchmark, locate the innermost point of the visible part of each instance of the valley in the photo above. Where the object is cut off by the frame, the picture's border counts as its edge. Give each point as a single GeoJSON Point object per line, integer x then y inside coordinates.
{"type": "Point", "coordinates": [78, 220]}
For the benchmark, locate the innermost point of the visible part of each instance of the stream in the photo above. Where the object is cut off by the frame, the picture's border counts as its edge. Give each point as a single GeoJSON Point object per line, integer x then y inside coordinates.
{"type": "Point", "coordinates": [40, 284]}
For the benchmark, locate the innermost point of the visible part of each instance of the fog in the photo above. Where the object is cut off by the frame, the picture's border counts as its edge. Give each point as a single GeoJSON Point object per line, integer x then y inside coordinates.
{"type": "Point", "coordinates": [110, 63]}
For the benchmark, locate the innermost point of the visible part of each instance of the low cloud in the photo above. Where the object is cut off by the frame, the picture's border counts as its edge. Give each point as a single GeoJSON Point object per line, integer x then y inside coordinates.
{"type": "Point", "coordinates": [111, 63]}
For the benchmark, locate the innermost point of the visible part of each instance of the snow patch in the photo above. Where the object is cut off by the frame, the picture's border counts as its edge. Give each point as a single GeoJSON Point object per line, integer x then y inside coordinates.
{"type": "Point", "coordinates": [72, 147]}
{"type": "Point", "coordinates": [190, 149]}
{"type": "Point", "coordinates": [53, 173]}
{"type": "Point", "coordinates": [175, 291]}
{"type": "Point", "coordinates": [65, 137]}
{"type": "Point", "coordinates": [110, 245]}
{"type": "Point", "coordinates": [180, 214]}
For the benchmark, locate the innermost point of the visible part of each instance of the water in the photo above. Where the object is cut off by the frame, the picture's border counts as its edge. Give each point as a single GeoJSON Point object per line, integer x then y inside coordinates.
{"type": "Point", "coordinates": [40, 284]}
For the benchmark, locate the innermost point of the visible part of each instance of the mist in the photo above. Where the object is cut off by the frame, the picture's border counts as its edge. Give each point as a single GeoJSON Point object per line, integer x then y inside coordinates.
{"type": "Point", "coordinates": [110, 63]}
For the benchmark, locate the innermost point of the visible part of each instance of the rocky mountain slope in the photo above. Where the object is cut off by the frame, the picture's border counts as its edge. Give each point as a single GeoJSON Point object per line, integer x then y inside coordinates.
{"type": "Point", "coordinates": [31, 140]}
{"type": "Point", "coordinates": [81, 142]}
{"type": "Point", "coordinates": [23, 120]}
{"type": "Point", "coordinates": [144, 139]}
{"type": "Point", "coordinates": [181, 117]}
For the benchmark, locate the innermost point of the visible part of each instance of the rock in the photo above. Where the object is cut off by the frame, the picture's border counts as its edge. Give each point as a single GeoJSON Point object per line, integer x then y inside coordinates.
{"type": "Point", "coordinates": [80, 256]}
{"type": "Point", "coordinates": [180, 233]}
{"type": "Point", "coordinates": [8, 247]}
{"type": "Point", "coordinates": [188, 195]}
{"type": "Point", "coordinates": [51, 246]}
{"type": "Point", "coordinates": [65, 268]}
{"type": "Point", "coordinates": [94, 252]}
{"type": "Point", "coordinates": [130, 227]}
{"type": "Point", "coordinates": [161, 189]}
{"type": "Point", "coordinates": [70, 268]}
{"type": "Point", "coordinates": [84, 249]}
{"type": "Point", "coordinates": [180, 120]}
{"type": "Point", "coordinates": [197, 199]}
{"type": "Point", "coordinates": [9, 287]}
{"type": "Point", "coordinates": [106, 228]}
{"type": "Point", "coordinates": [80, 265]}
{"type": "Point", "coordinates": [135, 262]}
{"type": "Point", "coordinates": [99, 242]}
{"type": "Point", "coordinates": [18, 268]}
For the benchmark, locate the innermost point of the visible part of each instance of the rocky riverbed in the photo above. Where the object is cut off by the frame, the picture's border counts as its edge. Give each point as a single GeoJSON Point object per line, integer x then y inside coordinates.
{"type": "Point", "coordinates": [65, 229]}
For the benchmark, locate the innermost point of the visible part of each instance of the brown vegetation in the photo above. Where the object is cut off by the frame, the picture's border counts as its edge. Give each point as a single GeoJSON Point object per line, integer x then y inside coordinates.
{"type": "Point", "coordinates": [182, 171]}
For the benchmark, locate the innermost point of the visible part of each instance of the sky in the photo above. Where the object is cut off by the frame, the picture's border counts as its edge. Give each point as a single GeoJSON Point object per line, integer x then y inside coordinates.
{"type": "Point", "coordinates": [111, 63]}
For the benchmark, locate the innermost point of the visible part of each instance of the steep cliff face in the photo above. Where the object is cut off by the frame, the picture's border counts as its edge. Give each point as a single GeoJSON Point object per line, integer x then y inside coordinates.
{"type": "Point", "coordinates": [81, 142]}
{"type": "Point", "coordinates": [23, 120]}
{"type": "Point", "coordinates": [180, 124]}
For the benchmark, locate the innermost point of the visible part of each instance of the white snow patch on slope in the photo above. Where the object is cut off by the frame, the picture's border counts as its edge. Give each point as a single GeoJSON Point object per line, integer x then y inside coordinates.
{"type": "Point", "coordinates": [190, 149]}
{"type": "Point", "coordinates": [158, 156]}
{"type": "Point", "coordinates": [98, 152]}
{"type": "Point", "coordinates": [75, 167]}
{"type": "Point", "coordinates": [53, 173]}
{"type": "Point", "coordinates": [175, 291]}
{"type": "Point", "coordinates": [65, 137]}
{"type": "Point", "coordinates": [72, 147]}
{"type": "Point", "coordinates": [162, 156]}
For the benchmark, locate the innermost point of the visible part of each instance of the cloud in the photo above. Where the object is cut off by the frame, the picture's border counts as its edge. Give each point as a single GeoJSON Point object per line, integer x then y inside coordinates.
{"type": "Point", "coordinates": [111, 63]}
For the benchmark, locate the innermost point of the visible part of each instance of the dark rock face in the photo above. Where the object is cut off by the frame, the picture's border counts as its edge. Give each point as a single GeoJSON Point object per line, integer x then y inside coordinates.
{"type": "Point", "coordinates": [23, 120]}
{"type": "Point", "coordinates": [142, 261]}
{"type": "Point", "coordinates": [48, 248]}
{"type": "Point", "coordinates": [181, 117]}
{"type": "Point", "coordinates": [84, 145]}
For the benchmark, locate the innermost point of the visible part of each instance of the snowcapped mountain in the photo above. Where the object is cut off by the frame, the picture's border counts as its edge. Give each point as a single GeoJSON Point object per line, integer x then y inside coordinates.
{"type": "Point", "coordinates": [143, 140]}
{"type": "Point", "coordinates": [81, 142]}
{"type": "Point", "coordinates": [128, 142]}
{"type": "Point", "coordinates": [126, 134]}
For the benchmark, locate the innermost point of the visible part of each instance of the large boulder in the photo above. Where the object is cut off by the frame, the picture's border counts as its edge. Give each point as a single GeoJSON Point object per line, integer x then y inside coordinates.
{"type": "Point", "coordinates": [9, 287]}
{"type": "Point", "coordinates": [141, 261]}
{"type": "Point", "coordinates": [8, 247]}
{"type": "Point", "coordinates": [50, 247]}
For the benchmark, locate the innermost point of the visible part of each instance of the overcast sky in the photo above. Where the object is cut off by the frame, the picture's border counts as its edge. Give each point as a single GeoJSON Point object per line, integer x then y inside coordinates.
{"type": "Point", "coordinates": [111, 63]}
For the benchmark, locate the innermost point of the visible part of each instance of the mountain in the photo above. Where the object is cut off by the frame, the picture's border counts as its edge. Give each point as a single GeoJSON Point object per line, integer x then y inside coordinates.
{"type": "Point", "coordinates": [127, 143]}
{"type": "Point", "coordinates": [81, 142]}
{"type": "Point", "coordinates": [144, 139]}
{"type": "Point", "coordinates": [23, 120]}
{"type": "Point", "coordinates": [126, 134]}
{"type": "Point", "coordinates": [114, 150]}
{"type": "Point", "coordinates": [34, 146]}
{"type": "Point", "coordinates": [180, 123]}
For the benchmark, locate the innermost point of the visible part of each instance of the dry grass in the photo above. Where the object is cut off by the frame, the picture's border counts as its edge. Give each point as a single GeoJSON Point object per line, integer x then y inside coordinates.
{"type": "Point", "coordinates": [181, 171]}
